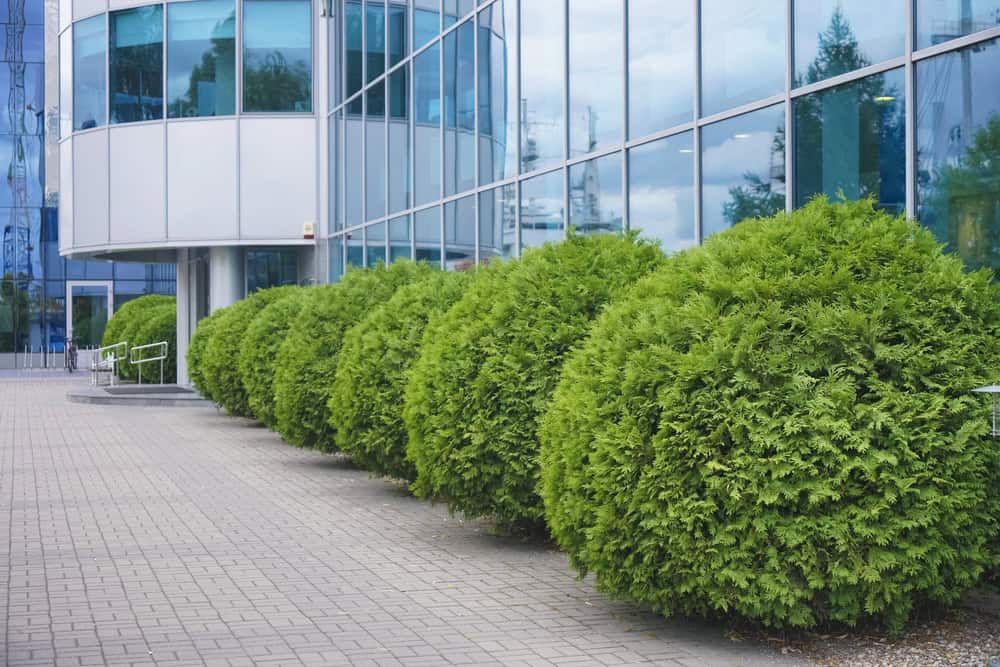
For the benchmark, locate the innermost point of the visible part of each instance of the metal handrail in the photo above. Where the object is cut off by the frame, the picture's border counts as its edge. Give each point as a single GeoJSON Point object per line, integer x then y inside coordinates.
{"type": "Point", "coordinates": [163, 348]}
{"type": "Point", "coordinates": [101, 360]}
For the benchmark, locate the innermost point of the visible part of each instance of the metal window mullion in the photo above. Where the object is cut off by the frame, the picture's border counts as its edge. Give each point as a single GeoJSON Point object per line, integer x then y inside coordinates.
{"type": "Point", "coordinates": [910, 114]}
{"type": "Point", "coordinates": [625, 115]}
{"type": "Point", "coordinates": [566, 119]}
{"type": "Point", "coordinates": [441, 140]}
{"type": "Point", "coordinates": [789, 116]}
{"type": "Point", "coordinates": [696, 143]}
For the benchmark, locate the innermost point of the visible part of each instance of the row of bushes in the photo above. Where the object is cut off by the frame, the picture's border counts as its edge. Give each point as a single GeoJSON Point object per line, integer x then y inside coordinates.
{"type": "Point", "coordinates": [777, 424]}
{"type": "Point", "coordinates": [144, 321]}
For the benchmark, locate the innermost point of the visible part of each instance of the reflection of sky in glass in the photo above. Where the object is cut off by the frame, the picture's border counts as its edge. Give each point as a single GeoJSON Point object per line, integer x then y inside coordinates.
{"type": "Point", "coordinates": [596, 74]}
{"type": "Point", "coordinates": [542, 209]}
{"type": "Point", "coordinates": [878, 28]}
{"type": "Point", "coordinates": [941, 20]}
{"type": "Point", "coordinates": [542, 83]}
{"type": "Point", "coordinates": [737, 155]}
{"type": "Point", "coordinates": [596, 200]}
{"type": "Point", "coordinates": [743, 52]}
{"type": "Point", "coordinates": [196, 31]}
{"type": "Point", "coordinates": [661, 53]}
{"type": "Point", "coordinates": [661, 191]}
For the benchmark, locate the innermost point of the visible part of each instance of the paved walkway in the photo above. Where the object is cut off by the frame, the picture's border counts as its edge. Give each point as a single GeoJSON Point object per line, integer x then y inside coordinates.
{"type": "Point", "coordinates": [174, 536]}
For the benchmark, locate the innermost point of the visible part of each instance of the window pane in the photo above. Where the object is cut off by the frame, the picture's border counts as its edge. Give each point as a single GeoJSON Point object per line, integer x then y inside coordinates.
{"type": "Point", "coordinates": [22, 154]}
{"type": "Point", "coordinates": [958, 151]}
{"type": "Point", "coordinates": [426, 21]}
{"type": "Point", "coordinates": [459, 109]}
{"type": "Point", "coordinates": [399, 140]}
{"type": "Point", "coordinates": [66, 84]}
{"type": "Point", "coordinates": [136, 64]}
{"type": "Point", "coordinates": [542, 78]}
{"type": "Point", "coordinates": [460, 234]}
{"type": "Point", "coordinates": [543, 212]}
{"type": "Point", "coordinates": [375, 152]}
{"type": "Point", "coordinates": [941, 20]}
{"type": "Point", "coordinates": [661, 66]}
{"type": "Point", "coordinates": [596, 76]}
{"type": "Point", "coordinates": [399, 238]}
{"type": "Point", "coordinates": [427, 129]}
{"type": "Point", "coordinates": [375, 34]}
{"type": "Point", "coordinates": [596, 200]}
{"type": "Point", "coordinates": [375, 240]}
{"type": "Point", "coordinates": [336, 259]}
{"type": "Point", "coordinates": [353, 62]}
{"type": "Point", "coordinates": [335, 135]}
{"type": "Point", "coordinates": [497, 223]}
{"type": "Point", "coordinates": [742, 169]}
{"type": "Point", "coordinates": [399, 40]}
{"type": "Point", "coordinates": [850, 139]}
{"type": "Point", "coordinates": [353, 186]}
{"type": "Point", "coordinates": [742, 51]}
{"type": "Point", "coordinates": [90, 95]}
{"type": "Point", "coordinates": [277, 55]}
{"type": "Point", "coordinates": [838, 36]}
{"type": "Point", "coordinates": [427, 234]}
{"type": "Point", "coordinates": [355, 248]}
{"type": "Point", "coordinates": [498, 91]}
{"type": "Point", "coordinates": [661, 191]}
{"type": "Point", "coordinates": [271, 267]}
{"type": "Point", "coordinates": [456, 9]}
{"type": "Point", "coordinates": [201, 58]}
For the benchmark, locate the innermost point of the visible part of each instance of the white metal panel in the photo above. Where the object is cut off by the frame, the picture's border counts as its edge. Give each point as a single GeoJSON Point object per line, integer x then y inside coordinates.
{"type": "Point", "coordinates": [66, 194]}
{"type": "Point", "coordinates": [84, 8]}
{"type": "Point", "coordinates": [65, 14]}
{"type": "Point", "coordinates": [137, 184]}
{"type": "Point", "coordinates": [90, 189]}
{"type": "Point", "coordinates": [118, 4]}
{"type": "Point", "coordinates": [201, 180]}
{"type": "Point", "coordinates": [278, 178]}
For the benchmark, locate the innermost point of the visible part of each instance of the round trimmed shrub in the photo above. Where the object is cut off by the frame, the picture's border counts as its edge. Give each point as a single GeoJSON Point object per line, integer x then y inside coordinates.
{"type": "Point", "coordinates": [307, 360]}
{"type": "Point", "coordinates": [489, 366]}
{"type": "Point", "coordinates": [160, 324]}
{"type": "Point", "coordinates": [366, 400]}
{"type": "Point", "coordinates": [129, 321]}
{"type": "Point", "coordinates": [259, 349]}
{"type": "Point", "coordinates": [196, 353]}
{"type": "Point", "coordinates": [779, 425]}
{"type": "Point", "coordinates": [221, 358]}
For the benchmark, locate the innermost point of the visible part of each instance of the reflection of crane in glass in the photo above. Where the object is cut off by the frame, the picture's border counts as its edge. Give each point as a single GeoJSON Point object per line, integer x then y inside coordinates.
{"type": "Point", "coordinates": [585, 193]}
{"type": "Point", "coordinates": [529, 144]}
{"type": "Point", "coordinates": [17, 244]}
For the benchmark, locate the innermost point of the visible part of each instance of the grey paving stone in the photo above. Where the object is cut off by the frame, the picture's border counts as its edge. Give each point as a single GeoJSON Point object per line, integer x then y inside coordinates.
{"type": "Point", "coordinates": [166, 536]}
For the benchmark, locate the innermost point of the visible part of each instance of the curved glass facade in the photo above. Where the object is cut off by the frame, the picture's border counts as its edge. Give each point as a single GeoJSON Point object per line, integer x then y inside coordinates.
{"type": "Point", "coordinates": [511, 121]}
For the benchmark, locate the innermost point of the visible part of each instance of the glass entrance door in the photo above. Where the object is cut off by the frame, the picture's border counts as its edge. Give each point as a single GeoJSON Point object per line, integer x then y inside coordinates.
{"type": "Point", "coordinates": [89, 305]}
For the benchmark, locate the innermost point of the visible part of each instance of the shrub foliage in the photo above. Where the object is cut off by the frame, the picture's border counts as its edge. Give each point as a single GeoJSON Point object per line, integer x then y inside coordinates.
{"type": "Point", "coordinates": [366, 400]}
{"type": "Point", "coordinates": [779, 424]}
{"type": "Point", "coordinates": [259, 349]}
{"type": "Point", "coordinates": [220, 359]}
{"type": "Point", "coordinates": [307, 360]}
{"type": "Point", "coordinates": [133, 324]}
{"type": "Point", "coordinates": [196, 352]}
{"type": "Point", "coordinates": [489, 365]}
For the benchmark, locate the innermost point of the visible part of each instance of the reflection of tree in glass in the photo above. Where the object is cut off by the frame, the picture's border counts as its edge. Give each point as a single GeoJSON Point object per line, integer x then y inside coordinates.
{"type": "Point", "coordinates": [272, 83]}
{"type": "Point", "coordinates": [14, 311]}
{"type": "Point", "coordinates": [838, 51]}
{"type": "Point", "coordinates": [963, 208]}
{"type": "Point", "coordinates": [758, 198]}
{"type": "Point", "coordinates": [224, 51]}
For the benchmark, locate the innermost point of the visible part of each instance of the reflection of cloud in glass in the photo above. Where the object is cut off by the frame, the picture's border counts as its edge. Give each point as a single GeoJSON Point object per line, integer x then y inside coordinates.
{"type": "Point", "coordinates": [661, 57]}
{"type": "Point", "coordinates": [877, 27]}
{"type": "Point", "coordinates": [542, 82]}
{"type": "Point", "coordinates": [596, 74]}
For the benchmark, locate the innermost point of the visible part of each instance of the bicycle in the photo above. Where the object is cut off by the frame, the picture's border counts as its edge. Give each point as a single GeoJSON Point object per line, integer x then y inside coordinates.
{"type": "Point", "coordinates": [71, 354]}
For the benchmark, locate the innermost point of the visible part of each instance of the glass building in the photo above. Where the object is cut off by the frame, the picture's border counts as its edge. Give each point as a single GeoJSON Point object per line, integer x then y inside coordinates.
{"type": "Point", "coordinates": [43, 296]}
{"type": "Point", "coordinates": [348, 132]}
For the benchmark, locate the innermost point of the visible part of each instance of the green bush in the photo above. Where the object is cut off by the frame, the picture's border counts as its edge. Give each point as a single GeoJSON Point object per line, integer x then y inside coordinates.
{"type": "Point", "coordinates": [221, 358]}
{"type": "Point", "coordinates": [307, 361]}
{"type": "Point", "coordinates": [366, 400]}
{"type": "Point", "coordinates": [160, 325]}
{"type": "Point", "coordinates": [779, 425]}
{"type": "Point", "coordinates": [196, 353]}
{"type": "Point", "coordinates": [259, 349]}
{"type": "Point", "coordinates": [128, 324]}
{"type": "Point", "coordinates": [489, 365]}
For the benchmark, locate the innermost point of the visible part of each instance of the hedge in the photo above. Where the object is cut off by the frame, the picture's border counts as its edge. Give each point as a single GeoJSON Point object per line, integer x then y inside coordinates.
{"type": "Point", "coordinates": [779, 425]}
{"type": "Point", "coordinates": [221, 358]}
{"type": "Point", "coordinates": [160, 324]}
{"type": "Point", "coordinates": [487, 371]}
{"type": "Point", "coordinates": [259, 349]}
{"type": "Point", "coordinates": [130, 323]}
{"type": "Point", "coordinates": [366, 400]}
{"type": "Point", "coordinates": [196, 352]}
{"type": "Point", "coordinates": [307, 360]}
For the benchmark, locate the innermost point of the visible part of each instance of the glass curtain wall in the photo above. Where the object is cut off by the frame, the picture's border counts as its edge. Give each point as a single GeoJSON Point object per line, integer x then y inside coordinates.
{"type": "Point", "coordinates": [201, 58]}
{"type": "Point", "coordinates": [135, 64]}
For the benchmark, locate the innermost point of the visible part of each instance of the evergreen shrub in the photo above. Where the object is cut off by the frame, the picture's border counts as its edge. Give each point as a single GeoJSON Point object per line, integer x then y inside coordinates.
{"type": "Point", "coordinates": [259, 349]}
{"type": "Point", "coordinates": [488, 368]}
{"type": "Point", "coordinates": [366, 400]}
{"type": "Point", "coordinates": [307, 360]}
{"type": "Point", "coordinates": [129, 324]}
{"type": "Point", "coordinates": [196, 352]}
{"type": "Point", "coordinates": [221, 357]}
{"type": "Point", "coordinates": [779, 425]}
{"type": "Point", "coordinates": [160, 324]}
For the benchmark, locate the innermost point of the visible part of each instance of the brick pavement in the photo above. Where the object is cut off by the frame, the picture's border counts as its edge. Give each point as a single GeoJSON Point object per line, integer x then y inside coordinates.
{"type": "Point", "coordinates": [157, 536]}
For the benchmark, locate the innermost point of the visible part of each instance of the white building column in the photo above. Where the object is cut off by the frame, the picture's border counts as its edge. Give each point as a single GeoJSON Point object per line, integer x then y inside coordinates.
{"type": "Point", "coordinates": [185, 297]}
{"type": "Point", "coordinates": [227, 284]}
